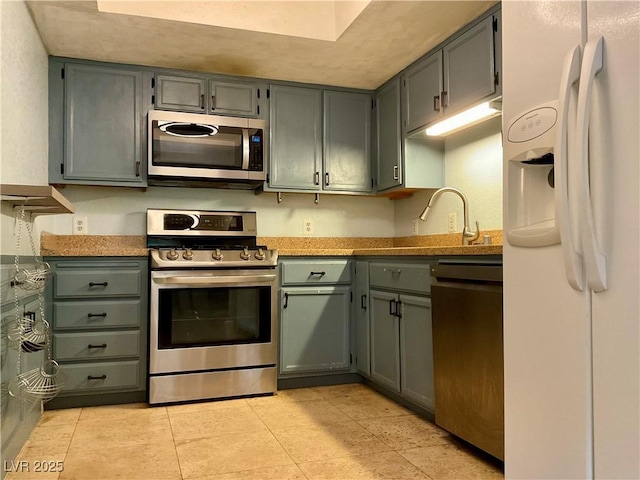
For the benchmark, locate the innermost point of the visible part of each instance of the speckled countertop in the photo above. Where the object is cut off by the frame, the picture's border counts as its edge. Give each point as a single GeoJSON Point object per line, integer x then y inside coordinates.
{"type": "Point", "coordinates": [135, 246]}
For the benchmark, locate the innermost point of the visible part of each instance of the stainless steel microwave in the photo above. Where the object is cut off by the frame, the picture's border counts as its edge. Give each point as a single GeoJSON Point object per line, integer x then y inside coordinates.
{"type": "Point", "coordinates": [206, 150]}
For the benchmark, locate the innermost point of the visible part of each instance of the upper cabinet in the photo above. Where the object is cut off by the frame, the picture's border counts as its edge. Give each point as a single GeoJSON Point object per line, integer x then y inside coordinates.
{"type": "Point", "coordinates": [96, 124]}
{"type": "Point", "coordinates": [320, 140]}
{"type": "Point", "coordinates": [388, 136]}
{"type": "Point", "coordinates": [205, 95]}
{"type": "Point", "coordinates": [463, 72]}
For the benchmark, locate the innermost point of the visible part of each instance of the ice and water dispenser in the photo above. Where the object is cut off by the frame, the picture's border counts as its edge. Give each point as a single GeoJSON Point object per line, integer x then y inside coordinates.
{"type": "Point", "coordinates": [530, 214]}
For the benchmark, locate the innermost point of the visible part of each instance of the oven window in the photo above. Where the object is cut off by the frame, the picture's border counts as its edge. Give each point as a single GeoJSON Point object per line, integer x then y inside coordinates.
{"type": "Point", "coordinates": [198, 317]}
{"type": "Point", "coordinates": [223, 150]}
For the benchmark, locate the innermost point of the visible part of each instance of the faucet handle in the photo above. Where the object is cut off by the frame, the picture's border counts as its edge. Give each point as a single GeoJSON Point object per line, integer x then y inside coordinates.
{"type": "Point", "coordinates": [473, 236]}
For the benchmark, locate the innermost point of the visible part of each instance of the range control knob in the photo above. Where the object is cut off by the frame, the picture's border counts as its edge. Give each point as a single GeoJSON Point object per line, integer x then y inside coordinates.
{"type": "Point", "coordinates": [217, 255]}
{"type": "Point", "coordinates": [172, 254]}
{"type": "Point", "coordinates": [187, 254]}
{"type": "Point", "coordinates": [245, 255]}
{"type": "Point", "coordinates": [260, 254]}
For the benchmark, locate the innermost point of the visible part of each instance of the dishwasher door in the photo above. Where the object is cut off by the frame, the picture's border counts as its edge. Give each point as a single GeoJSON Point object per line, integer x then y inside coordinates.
{"type": "Point", "coordinates": [468, 353]}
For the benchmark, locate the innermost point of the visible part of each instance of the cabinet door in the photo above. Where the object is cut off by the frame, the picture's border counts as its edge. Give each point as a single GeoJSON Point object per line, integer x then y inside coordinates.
{"type": "Point", "coordinates": [102, 124]}
{"type": "Point", "coordinates": [233, 98]}
{"type": "Point", "coordinates": [416, 348]}
{"type": "Point", "coordinates": [347, 152]}
{"type": "Point", "coordinates": [314, 329]}
{"type": "Point", "coordinates": [389, 146]}
{"type": "Point", "coordinates": [385, 341]}
{"type": "Point", "coordinates": [469, 67]}
{"type": "Point", "coordinates": [296, 138]}
{"type": "Point", "coordinates": [422, 85]}
{"type": "Point", "coordinates": [363, 357]}
{"type": "Point", "coordinates": [186, 94]}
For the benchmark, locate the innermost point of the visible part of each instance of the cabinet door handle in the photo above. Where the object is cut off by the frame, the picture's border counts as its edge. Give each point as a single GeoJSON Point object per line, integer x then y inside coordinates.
{"type": "Point", "coordinates": [392, 305]}
{"type": "Point", "coordinates": [398, 309]}
{"type": "Point", "coordinates": [103, 345]}
{"type": "Point", "coordinates": [395, 172]}
{"type": "Point", "coordinates": [101, 377]}
{"type": "Point", "coordinates": [436, 103]}
{"type": "Point", "coordinates": [213, 102]}
{"type": "Point", "coordinates": [322, 274]}
{"type": "Point", "coordinates": [286, 300]}
{"type": "Point", "coordinates": [445, 99]}
{"type": "Point", "coordinates": [137, 169]}
{"type": "Point", "coordinates": [98, 284]}
{"type": "Point", "coordinates": [91, 315]}
{"type": "Point", "coordinates": [316, 178]}
{"type": "Point", "coordinates": [363, 302]}
{"type": "Point", "coordinates": [326, 179]}
{"type": "Point", "coordinates": [202, 101]}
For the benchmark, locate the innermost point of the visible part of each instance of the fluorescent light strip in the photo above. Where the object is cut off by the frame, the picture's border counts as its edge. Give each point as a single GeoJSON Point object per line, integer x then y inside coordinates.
{"type": "Point", "coordinates": [463, 119]}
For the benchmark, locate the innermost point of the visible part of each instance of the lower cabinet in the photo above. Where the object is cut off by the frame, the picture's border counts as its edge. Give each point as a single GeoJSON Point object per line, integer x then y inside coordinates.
{"type": "Point", "coordinates": [315, 314]}
{"type": "Point", "coordinates": [401, 344]}
{"type": "Point", "coordinates": [98, 308]}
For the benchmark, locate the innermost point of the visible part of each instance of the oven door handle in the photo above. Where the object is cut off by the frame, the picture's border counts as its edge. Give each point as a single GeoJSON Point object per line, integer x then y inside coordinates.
{"type": "Point", "coordinates": [226, 279]}
{"type": "Point", "coordinates": [245, 149]}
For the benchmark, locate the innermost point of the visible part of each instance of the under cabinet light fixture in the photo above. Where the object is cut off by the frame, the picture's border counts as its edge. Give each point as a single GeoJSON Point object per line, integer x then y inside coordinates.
{"type": "Point", "coordinates": [469, 117]}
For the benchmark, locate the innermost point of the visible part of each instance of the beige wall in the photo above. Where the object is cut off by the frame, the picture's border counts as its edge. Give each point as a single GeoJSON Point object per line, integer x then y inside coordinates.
{"type": "Point", "coordinates": [473, 164]}
{"type": "Point", "coordinates": [23, 99]}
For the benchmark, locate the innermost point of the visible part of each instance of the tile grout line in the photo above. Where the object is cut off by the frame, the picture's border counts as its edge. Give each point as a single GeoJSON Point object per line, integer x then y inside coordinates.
{"type": "Point", "coordinates": [173, 440]}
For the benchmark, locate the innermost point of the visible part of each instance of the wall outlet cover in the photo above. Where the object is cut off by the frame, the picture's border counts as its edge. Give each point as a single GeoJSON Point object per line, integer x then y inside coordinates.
{"type": "Point", "coordinates": [415, 226]}
{"type": "Point", "coordinates": [80, 225]}
{"type": "Point", "coordinates": [453, 221]}
{"type": "Point", "coordinates": [307, 227]}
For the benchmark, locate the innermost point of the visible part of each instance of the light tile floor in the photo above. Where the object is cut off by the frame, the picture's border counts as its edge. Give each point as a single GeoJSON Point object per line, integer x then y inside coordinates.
{"type": "Point", "coordinates": [339, 432]}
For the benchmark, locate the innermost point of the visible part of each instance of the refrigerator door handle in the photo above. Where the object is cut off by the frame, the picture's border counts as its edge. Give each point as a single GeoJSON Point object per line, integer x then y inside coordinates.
{"type": "Point", "coordinates": [572, 258]}
{"type": "Point", "coordinates": [594, 260]}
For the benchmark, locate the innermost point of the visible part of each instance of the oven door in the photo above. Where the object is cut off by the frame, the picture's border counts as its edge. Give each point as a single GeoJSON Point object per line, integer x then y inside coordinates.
{"type": "Point", "coordinates": [209, 319]}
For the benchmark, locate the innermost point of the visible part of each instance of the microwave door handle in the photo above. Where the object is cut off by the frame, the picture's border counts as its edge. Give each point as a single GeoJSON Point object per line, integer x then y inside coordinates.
{"type": "Point", "coordinates": [245, 149]}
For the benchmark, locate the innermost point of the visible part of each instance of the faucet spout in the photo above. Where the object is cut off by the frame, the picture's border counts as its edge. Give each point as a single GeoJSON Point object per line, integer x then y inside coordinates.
{"type": "Point", "coordinates": [468, 235]}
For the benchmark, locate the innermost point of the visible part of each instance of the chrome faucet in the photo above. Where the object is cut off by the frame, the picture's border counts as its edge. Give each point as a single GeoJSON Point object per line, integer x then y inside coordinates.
{"type": "Point", "coordinates": [468, 236]}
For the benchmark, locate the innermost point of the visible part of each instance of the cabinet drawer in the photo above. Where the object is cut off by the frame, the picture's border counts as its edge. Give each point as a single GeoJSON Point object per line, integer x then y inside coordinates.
{"type": "Point", "coordinates": [316, 272]}
{"type": "Point", "coordinates": [98, 345]}
{"type": "Point", "coordinates": [96, 283]}
{"type": "Point", "coordinates": [411, 278]}
{"type": "Point", "coordinates": [100, 376]}
{"type": "Point", "coordinates": [96, 314]}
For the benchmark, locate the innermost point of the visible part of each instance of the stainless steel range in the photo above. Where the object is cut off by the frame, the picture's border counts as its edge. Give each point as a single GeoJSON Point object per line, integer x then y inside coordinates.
{"type": "Point", "coordinates": [212, 306]}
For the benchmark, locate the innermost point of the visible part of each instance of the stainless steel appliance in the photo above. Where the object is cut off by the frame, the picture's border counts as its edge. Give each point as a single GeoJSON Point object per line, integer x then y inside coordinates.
{"type": "Point", "coordinates": [468, 366]}
{"type": "Point", "coordinates": [207, 150]}
{"type": "Point", "coordinates": [212, 307]}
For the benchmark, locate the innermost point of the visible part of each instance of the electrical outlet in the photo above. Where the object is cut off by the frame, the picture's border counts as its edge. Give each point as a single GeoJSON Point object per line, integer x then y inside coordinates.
{"type": "Point", "coordinates": [80, 225]}
{"type": "Point", "coordinates": [307, 227]}
{"type": "Point", "coordinates": [453, 221]}
{"type": "Point", "coordinates": [414, 226]}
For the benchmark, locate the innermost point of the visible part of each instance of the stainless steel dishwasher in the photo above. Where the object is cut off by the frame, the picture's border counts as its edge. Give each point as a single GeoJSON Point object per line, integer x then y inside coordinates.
{"type": "Point", "coordinates": [466, 298]}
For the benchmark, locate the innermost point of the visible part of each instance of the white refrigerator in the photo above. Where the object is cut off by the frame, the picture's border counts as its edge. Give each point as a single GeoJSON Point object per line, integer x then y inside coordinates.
{"type": "Point", "coordinates": [572, 249]}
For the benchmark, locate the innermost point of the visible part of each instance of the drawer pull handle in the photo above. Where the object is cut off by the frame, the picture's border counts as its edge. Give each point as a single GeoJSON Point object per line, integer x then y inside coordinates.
{"type": "Point", "coordinates": [98, 284]}
{"type": "Point", "coordinates": [101, 377]}
{"type": "Point", "coordinates": [103, 345]}
{"type": "Point", "coordinates": [91, 315]}
{"type": "Point", "coordinates": [317, 273]}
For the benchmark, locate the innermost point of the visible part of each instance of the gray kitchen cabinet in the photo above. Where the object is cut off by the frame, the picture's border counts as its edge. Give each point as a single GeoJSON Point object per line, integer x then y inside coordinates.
{"type": "Point", "coordinates": [96, 124]}
{"type": "Point", "coordinates": [98, 312]}
{"type": "Point", "coordinates": [421, 89]}
{"type": "Point", "coordinates": [347, 142]}
{"type": "Point", "coordinates": [462, 73]}
{"type": "Point", "coordinates": [320, 140]}
{"type": "Point", "coordinates": [401, 330]}
{"type": "Point", "coordinates": [385, 340]}
{"type": "Point", "coordinates": [389, 147]}
{"type": "Point", "coordinates": [315, 313]}
{"type": "Point", "coordinates": [296, 138]}
{"type": "Point", "coordinates": [201, 94]}
{"type": "Point", "coordinates": [185, 94]}
{"type": "Point", "coordinates": [361, 316]}
{"type": "Point", "coordinates": [469, 67]}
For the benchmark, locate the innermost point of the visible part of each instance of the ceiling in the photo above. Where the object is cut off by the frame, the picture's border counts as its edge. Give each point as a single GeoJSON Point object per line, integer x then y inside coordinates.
{"type": "Point", "coordinates": [382, 38]}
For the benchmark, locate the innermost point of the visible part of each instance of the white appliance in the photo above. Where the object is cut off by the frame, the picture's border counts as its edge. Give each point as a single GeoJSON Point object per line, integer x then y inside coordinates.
{"type": "Point", "coordinates": [572, 256]}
